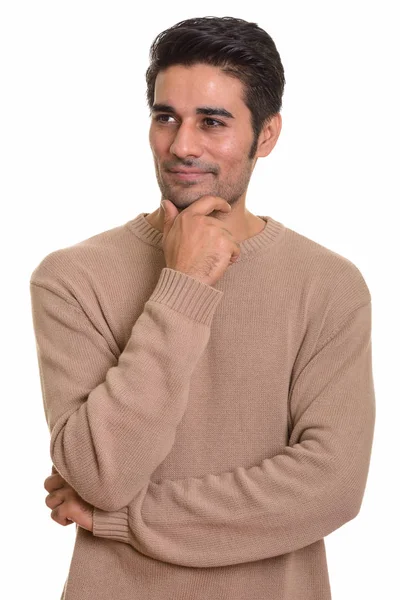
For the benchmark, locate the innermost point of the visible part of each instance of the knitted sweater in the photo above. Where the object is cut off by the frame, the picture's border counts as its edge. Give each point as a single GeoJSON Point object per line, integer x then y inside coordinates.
{"type": "Point", "coordinates": [220, 431]}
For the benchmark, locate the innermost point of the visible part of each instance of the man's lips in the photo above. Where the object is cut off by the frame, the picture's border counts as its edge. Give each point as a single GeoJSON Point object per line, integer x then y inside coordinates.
{"type": "Point", "coordinates": [188, 174]}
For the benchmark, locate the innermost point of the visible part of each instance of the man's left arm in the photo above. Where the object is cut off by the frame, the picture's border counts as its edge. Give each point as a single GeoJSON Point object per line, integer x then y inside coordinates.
{"type": "Point", "coordinates": [285, 502]}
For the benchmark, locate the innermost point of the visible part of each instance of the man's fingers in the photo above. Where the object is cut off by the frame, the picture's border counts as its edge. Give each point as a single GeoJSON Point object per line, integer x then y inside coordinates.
{"type": "Point", "coordinates": [58, 518]}
{"type": "Point", "coordinates": [53, 501]}
{"type": "Point", "coordinates": [53, 482]}
{"type": "Point", "coordinates": [67, 506]}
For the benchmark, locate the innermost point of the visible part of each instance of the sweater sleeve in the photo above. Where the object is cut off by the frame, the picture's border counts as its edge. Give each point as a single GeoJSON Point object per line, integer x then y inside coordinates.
{"type": "Point", "coordinates": [314, 486]}
{"type": "Point", "coordinates": [113, 419]}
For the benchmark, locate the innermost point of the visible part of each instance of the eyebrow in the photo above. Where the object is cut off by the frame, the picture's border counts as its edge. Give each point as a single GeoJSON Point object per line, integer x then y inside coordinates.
{"type": "Point", "coordinates": [201, 110]}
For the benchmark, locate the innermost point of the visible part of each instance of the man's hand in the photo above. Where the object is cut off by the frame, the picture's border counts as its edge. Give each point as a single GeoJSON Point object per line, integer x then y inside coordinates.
{"type": "Point", "coordinates": [67, 507]}
{"type": "Point", "coordinates": [196, 243]}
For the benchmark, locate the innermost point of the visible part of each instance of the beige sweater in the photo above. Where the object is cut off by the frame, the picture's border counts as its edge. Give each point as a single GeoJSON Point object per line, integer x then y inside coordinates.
{"type": "Point", "coordinates": [220, 431]}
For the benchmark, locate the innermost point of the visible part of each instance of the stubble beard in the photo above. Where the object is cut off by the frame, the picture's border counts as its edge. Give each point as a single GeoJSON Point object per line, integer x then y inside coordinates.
{"type": "Point", "coordinates": [185, 193]}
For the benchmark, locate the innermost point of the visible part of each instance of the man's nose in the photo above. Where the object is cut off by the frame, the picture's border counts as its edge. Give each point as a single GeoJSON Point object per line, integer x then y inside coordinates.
{"type": "Point", "coordinates": [187, 141]}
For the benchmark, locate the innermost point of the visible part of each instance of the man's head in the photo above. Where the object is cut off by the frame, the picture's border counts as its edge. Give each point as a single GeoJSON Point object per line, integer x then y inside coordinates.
{"type": "Point", "coordinates": [212, 63]}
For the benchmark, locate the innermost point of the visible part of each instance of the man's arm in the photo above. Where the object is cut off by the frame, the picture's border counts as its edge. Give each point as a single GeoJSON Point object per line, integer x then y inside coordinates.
{"type": "Point", "coordinates": [113, 419]}
{"type": "Point", "coordinates": [286, 502]}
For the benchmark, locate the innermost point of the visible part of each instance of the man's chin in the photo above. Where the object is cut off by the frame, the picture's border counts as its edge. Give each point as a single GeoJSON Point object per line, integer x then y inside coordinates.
{"type": "Point", "coordinates": [187, 198]}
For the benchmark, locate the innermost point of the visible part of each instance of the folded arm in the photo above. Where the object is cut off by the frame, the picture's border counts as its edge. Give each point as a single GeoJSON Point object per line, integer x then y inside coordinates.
{"type": "Point", "coordinates": [113, 419]}
{"type": "Point", "coordinates": [285, 502]}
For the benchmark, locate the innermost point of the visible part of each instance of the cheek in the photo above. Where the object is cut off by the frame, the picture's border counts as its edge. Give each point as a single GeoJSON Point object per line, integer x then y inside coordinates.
{"type": "Point", "coordinates": [156, 148]}
{"type": "Point", "coordinates": [157, 143]}
{"type": "Point", "coordinates": [231, 149]}
{"type": "Point", "coordinates": [152, 140]}
{"type": "Point", "coordinates": [232, 154]}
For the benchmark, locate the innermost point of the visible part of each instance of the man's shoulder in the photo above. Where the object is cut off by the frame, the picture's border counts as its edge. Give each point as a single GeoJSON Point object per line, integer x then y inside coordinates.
{"type": "Point", "coordinates": [328, 285]}
{"type": "Point", "coordinates": [322, 265]}
{"type": "Point", "coordinates": [83, 262]}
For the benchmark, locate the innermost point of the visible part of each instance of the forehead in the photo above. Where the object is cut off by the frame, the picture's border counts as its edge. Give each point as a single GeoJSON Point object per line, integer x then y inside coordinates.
{"type": "Point", "coordinates": [199, 84]}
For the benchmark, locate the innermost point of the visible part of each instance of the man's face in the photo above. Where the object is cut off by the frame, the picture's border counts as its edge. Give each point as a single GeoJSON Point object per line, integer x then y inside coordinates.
{"type": "Point", "coordinates": [182, 139]}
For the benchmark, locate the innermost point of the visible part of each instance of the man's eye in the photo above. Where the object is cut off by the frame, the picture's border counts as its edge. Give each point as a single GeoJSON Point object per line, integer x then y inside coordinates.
{"type": "Point", "coordinates": [211, 123]}
{"type": "Point", "coordinates": [159, 118]}
{"type": "Point", "coordinates": [214, 121]}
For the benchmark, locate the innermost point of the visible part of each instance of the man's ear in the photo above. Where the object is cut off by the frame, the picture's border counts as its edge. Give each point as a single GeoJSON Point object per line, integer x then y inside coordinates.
{"type": "Point", "coordinates": [269, 135]}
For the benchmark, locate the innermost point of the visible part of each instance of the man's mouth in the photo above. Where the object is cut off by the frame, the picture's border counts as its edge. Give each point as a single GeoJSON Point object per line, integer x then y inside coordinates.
{"type": "Point", "coordinates": [189, 175]}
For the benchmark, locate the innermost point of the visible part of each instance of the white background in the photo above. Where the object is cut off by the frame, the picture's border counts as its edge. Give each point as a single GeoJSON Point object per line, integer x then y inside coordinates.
{"type": "Point", "coordinates": [75, 161]}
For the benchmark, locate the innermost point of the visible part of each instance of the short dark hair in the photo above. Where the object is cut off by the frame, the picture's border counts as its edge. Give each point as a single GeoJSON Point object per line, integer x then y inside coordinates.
{"type": "Point", "coordinates": [240, 48]}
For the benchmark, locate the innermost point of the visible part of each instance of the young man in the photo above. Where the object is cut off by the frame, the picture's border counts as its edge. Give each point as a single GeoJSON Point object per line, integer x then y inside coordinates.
{"type": "Point", "coordinates": [209, 425]}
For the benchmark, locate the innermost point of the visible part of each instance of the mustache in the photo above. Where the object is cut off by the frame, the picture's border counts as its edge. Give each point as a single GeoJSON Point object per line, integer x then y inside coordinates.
{"type": "Point", "coordinates": [191, 165]}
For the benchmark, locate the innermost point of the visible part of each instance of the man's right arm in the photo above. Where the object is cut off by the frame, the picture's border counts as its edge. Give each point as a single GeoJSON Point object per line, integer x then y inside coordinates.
{"type": "Point", "coordinates": [113, 419]}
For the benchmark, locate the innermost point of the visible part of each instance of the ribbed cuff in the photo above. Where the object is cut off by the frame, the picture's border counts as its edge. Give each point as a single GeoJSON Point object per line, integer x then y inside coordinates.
{"type": "Point", "coordinates": [112, 525]}
{"type": "Point", "coordinates": [186, 295]}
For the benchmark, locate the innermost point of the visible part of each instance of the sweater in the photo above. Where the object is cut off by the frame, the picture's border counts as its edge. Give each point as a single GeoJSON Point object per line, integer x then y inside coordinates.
{"type": "Point", "coordinates": [220, 432]}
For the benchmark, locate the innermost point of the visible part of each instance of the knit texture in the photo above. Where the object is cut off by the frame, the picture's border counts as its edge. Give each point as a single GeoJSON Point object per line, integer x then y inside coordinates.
{"type": "Point", "coordinates": [220, 432]}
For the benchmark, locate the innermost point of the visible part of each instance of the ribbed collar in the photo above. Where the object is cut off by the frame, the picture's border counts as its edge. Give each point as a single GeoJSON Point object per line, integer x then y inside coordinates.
{"type": "Point", "coordinates": [272, 231]}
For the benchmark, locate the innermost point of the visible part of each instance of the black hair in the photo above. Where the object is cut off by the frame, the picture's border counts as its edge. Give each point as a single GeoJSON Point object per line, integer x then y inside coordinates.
{"type": "Point", "coordinates": [240, 48]}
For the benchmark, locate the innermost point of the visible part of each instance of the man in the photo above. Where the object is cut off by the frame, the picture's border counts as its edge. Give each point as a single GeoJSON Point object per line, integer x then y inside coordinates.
{"type": "Point", "coordinates": [206, 372]}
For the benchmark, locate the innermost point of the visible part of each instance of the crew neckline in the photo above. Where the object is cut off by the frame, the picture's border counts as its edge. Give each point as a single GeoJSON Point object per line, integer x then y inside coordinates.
{"type": "Point", "coordinates": [272, 231]}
